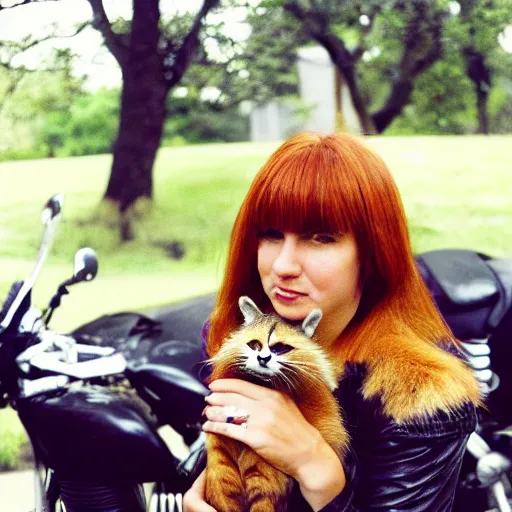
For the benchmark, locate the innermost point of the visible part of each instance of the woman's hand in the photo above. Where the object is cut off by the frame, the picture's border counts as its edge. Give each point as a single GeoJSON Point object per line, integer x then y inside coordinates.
{"type": "Point", "coordinates": [193, 500]}
{"type": "Point", "coordinates": [279, 433]}
{"type": "Point", "coordinates": [276, 429]}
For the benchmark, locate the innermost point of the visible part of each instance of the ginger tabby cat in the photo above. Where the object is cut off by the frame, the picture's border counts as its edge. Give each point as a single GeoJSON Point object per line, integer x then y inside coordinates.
{"type": "Point", "coordinates": [272, 353]}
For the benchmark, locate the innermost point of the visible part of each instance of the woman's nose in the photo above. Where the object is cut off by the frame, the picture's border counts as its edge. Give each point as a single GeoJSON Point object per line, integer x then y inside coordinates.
{"type": "Point", "coordinates": [287, 262]}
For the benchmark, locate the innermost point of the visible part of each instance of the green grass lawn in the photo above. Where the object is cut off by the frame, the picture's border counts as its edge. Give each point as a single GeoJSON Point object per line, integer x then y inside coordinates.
{"type": "Point", "coordinates": [456, 190]}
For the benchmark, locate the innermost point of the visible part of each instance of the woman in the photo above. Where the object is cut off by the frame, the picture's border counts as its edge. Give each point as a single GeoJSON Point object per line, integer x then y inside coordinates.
{"type": "Point", "coordinates": [323, 226]}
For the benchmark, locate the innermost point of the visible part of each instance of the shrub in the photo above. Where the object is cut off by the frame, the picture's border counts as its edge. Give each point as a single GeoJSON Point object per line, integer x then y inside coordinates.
{"type": "Point", "coordinates": [11, 443]}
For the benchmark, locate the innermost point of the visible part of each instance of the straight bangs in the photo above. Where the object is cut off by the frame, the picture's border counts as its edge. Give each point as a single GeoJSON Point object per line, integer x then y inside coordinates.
{"type": "Point", "coordinates": [306, 191]}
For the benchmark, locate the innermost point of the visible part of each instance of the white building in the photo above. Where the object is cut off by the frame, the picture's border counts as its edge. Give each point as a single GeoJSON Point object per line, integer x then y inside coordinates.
{"type": "Point", "coordinates": [318, 91]}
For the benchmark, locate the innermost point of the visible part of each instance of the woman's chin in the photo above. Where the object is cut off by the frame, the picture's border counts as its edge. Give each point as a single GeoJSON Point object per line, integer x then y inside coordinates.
{"type": "Point", "coordinates": [290, 313]}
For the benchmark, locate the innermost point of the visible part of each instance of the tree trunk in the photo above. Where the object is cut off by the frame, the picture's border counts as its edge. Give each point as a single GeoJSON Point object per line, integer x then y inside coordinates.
{"type": "Point", "coordinates": [344, 62]}
{"type": "Point", "coordinates": [140, 130]}
{"type": "Point", "coordinates": [399, 98]}
{"type": "Point", "coordinates": [142, 109]}
{"type": "Point", "coordinates": [479, 73]}
{"type": "Point", "coordinates": [481, 105]}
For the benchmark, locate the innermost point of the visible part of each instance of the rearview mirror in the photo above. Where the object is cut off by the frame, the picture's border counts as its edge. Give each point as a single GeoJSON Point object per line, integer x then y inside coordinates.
{"type": "Point", "coordinates": [86, 265]}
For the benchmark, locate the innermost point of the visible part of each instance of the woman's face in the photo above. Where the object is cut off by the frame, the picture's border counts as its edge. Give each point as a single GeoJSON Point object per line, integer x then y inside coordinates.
{"type": "Point", "coordinates": [301, 272]}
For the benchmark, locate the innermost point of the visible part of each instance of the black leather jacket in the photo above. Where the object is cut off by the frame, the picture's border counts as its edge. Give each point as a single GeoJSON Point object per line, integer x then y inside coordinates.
{"type": "Point", "coordinates": [399, 467]}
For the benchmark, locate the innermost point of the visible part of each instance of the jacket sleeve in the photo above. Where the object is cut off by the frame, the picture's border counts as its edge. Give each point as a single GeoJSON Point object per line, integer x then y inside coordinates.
{"type": "Point", "coordinates": [406, 467]}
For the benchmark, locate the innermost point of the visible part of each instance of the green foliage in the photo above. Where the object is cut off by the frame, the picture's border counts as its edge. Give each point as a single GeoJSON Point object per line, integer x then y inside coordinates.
{"type": "Point", "coordinates": [191, 119]}
{"type": "Point", "coordinates": [22, 154]}
{"type": "Point", "coordinates": [12, 439]}
{"type": "Point", "coordinates": [39, 101]}
{"type": "Point", "coordinates": [265, 71]}
{"type": "Point", "coordinates": [500, 108]}
{"type": "Point", "coordinates": [92, 125]}
{"type": "Point", "coordinates": [207, 126]}
{"type": "Point", "coordinates": [442, 102]}
{"type": "Point", "coordinates": [10, 449]}
{"type": "Point", "coordinates": [37, 94]}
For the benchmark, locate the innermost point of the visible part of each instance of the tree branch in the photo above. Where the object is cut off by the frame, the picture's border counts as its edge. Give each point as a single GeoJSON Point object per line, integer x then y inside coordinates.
{"type": "Point", "coordinates": [314, 23]}
{"type": "Point", "coordinates": [23, 47]}
{"type": "Point", "coordinates": [25, 2]}
{"type": "Point", "coordinates": [317, 26]}
{"type": "Point", "coordinates": [422, 48]}
{"type": "Point", "coordinates": [422, 41]}
{"type": "Point", "coordinates": [186, 51]}
{"type": "Point", "coordinates": [113, 42]}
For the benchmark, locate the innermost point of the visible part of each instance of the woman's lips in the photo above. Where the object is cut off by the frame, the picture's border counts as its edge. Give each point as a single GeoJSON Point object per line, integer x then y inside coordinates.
{"type": "Point", "coordinates": [287, 295]}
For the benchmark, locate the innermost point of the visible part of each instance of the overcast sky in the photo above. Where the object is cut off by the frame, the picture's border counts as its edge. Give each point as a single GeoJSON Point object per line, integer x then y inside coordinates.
{"type": "Point", "coordinates": [95, 61]}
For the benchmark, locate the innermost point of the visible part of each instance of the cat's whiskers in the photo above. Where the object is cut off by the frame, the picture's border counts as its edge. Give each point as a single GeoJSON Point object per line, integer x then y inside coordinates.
{"type": "Point", "coordinates": [238, 363]}
{"type": "Point", "coordinates": [314, 375]}
{"type": "Point", "coordinates": [281, 376]}
{"type": "Point", "coordinates": [310, 372]}
{"type": "Point", "coordinates": [304, 363]}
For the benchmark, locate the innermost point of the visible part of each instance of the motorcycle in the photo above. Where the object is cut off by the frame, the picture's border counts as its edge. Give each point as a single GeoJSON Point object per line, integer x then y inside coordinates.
{"type": "Point", "coordinates": [90, 413]}
{"type": "Point", "coordinates": [91, 401]}
{"type": "Point", "coordinates": [473, 292]}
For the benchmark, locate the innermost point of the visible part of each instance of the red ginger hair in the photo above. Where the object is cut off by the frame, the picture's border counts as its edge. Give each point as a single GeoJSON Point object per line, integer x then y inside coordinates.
{"type": "Point", "coordinates": [332, 183]}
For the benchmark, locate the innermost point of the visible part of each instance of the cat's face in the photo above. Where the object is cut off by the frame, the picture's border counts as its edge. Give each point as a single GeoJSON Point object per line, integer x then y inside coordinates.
{"type": "Point", "coordinates": [275, 353]}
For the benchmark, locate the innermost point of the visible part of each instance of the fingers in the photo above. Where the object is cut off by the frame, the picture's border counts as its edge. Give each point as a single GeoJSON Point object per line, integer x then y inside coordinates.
{"type": "Point", "coordinates": [193, 501]}
{"type": "Point", "coordinates": [226, 414]}
{"type": "Point", "coordinates": [228, 421]}
{"type": "Point", "coordinates": [234, 399]}
{"type": "Point", "coordinates": [237, 432]}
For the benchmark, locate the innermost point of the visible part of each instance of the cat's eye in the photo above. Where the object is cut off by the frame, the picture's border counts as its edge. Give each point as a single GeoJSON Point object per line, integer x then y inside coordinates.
{"type": "Point", "coordinates": [280, 348]}
{"type": "Point", "coordinates": [255, 345]}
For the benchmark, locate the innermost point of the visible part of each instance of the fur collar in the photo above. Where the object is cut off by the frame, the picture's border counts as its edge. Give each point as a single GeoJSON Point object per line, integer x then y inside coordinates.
{"type": "Point", "coordinates": [413, 379]}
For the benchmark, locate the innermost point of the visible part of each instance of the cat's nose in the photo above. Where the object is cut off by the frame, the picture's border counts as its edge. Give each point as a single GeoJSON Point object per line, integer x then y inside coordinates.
{"type": "Point", "coordinates": [264, 360]}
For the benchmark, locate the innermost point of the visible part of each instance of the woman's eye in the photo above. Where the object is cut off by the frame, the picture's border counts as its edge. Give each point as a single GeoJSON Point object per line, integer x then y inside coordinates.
{"type": "Point", "coordinates": [271, 234]}
{"type": "Point", "coordinates": [280, 348]}
{"type": "Point", "coordinates": [324, 238]}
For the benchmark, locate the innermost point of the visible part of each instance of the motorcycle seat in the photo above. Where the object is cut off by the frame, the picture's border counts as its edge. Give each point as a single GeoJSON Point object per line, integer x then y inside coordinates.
{"type": "Point", "coordinates": [465, 288]}
{"type": "Point", "coordinates": [463, 276]}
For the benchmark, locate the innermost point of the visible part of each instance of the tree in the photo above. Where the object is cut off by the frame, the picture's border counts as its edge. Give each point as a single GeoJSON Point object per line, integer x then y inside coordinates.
{"type": "Point", "coordinates": [343, 28]}
{"type": "Point", "coordinates": [152, 64]}
{"type": "Point", "coordinates": [480, 23]}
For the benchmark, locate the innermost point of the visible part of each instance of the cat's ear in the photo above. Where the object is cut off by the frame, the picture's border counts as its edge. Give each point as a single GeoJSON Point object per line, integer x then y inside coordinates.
{"type": "Point", "coordinates": [311, 322]}
{"type": "Point", "coordinates": [249, 310]}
